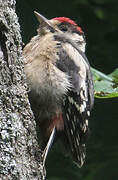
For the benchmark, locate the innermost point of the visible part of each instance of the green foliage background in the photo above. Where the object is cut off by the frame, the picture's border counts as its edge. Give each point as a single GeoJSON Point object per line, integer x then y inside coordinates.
{"type": "Point", "coordinates": [99, 21]}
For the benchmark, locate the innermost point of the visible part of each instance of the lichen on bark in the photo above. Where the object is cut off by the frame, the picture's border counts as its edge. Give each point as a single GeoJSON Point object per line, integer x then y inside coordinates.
{"type": "Point", "coordinates": [20, 157]}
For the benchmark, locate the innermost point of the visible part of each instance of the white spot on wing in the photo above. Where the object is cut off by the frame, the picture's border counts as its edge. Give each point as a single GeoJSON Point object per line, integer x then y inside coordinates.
{"type": "Point", "coordinates": [86, 122]}
{"type": "Point", "coordinates": [82, 162]}
{"type": "Point", "coordinates": [73, 125]}
{"type": "Point", "coordinates": [84, 128]}
{"type": "Point", "coordinates": [84, 104]}
{"type": "Point", "coordinates": [77, 142]}
{"type": "Point", "coordinates": [82, 108]}
{"type": "Point", "coordinates": [88, 113]}
{"type": "Point", "coordinates": [69, 110]}
{"type": "Point", "coordinates": [82, 95]}
{"type": "Point", "coordinates": [74, 119]}
{"type": "Point", "coordinates": [67, 117]}
{"type": "Point", "coordinates": [71, 131]}
{"type": "Point", "coordinates": [71, 100]}
{"type": "Point", "coordinates": [78, 137]}
{"type": "Point", "coordinates": [74, 103]}
{"type": "Point", "coordinates": [83, 156]}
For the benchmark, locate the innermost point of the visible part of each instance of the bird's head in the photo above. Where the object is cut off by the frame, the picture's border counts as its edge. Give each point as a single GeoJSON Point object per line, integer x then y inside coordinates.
{"type": "Point", "coordinates": [62, 25]}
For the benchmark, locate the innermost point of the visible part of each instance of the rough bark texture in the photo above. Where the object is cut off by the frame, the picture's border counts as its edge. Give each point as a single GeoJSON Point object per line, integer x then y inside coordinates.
{"type": "Point", "coordinates": [19, 152]}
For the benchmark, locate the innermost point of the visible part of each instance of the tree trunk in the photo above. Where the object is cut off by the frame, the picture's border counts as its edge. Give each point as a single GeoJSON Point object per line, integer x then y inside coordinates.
{"type": "Point", "coordinates": [20, 157]}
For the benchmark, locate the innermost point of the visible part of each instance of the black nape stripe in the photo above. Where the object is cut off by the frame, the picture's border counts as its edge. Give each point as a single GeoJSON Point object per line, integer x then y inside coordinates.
{"type": "Point", "coordinates": [65, 39]}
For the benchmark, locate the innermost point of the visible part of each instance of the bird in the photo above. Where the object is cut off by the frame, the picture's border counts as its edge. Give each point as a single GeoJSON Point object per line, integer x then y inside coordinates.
{"type": "Point", "coordinates": [59, 77]}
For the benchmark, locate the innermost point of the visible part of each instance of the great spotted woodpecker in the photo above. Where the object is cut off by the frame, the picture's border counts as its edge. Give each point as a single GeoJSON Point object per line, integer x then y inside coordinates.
{"type": "Point", "coordinates": [58, 74]}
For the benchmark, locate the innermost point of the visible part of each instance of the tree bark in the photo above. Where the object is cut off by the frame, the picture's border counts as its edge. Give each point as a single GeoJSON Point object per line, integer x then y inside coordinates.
{"type": "Point", "coordinates": [20, 157]}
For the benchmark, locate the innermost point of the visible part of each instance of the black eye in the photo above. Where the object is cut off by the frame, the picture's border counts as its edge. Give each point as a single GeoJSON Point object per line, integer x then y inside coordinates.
{"type": "Point", "coordinates": [63, 28]}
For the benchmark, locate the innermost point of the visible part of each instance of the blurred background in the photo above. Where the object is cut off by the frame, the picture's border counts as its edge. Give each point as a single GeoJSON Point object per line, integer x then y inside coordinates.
{"type": "Point", "coordinates": [99, 21]}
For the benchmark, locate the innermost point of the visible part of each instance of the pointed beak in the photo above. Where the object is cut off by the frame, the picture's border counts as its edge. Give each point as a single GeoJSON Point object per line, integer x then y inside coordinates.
{"type": "Point", "coordinates": [44, 20]}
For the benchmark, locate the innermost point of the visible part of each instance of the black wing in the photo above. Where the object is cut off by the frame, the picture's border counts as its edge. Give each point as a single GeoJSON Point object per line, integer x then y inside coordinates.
{"type": "Point", "coordinates": [78, 101]}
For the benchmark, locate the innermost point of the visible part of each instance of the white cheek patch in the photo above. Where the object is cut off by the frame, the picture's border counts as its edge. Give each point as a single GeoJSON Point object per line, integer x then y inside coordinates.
{"type": "Point", "coordinates": [78, 60]}
{"type": "Point", "coordinates": [78, 39]}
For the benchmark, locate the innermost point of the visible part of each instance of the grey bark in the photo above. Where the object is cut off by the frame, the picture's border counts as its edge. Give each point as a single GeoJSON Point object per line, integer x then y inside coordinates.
{"type": "Point", "coordinates": [20, 157]}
